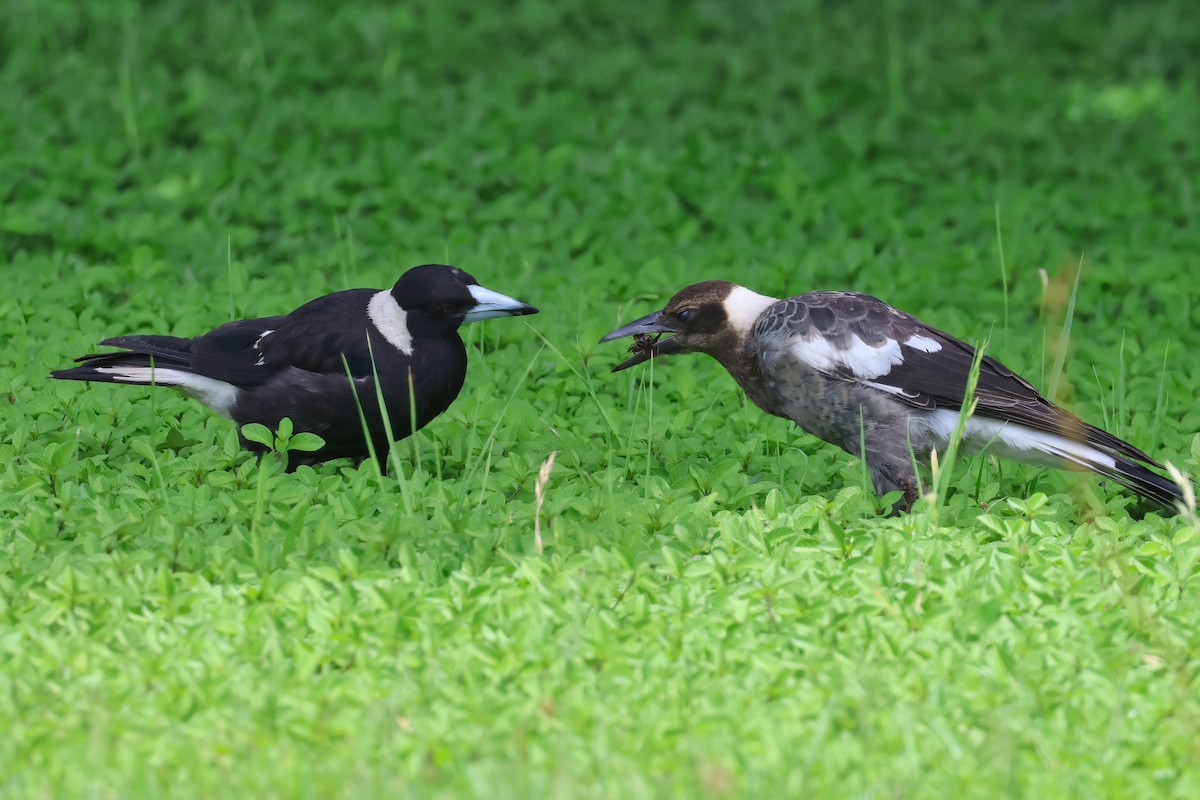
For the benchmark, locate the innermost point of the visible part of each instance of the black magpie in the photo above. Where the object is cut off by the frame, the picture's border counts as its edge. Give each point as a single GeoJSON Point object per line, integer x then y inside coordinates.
{"type": "Point", "coordinates": [855, 372]}
{"type": "Point", "coordinates": [262, 370]}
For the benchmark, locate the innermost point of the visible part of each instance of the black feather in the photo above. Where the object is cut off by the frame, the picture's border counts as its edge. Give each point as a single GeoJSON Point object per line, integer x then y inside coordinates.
{"type": "Point", "coordinates": [262, 370]}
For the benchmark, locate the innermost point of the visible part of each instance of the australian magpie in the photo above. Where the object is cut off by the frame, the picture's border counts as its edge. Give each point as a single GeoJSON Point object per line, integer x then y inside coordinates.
{"type": "Point", "coordinates": [318, 364]}
{"type": "Point", "coordinates": [856, 372]}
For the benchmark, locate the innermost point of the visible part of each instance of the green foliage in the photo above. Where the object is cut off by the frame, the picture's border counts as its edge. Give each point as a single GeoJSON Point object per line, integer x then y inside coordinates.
{"type": "Point", "coordinates": [282, 440]}
{"type": "Point", "coordinates": [718, 609]}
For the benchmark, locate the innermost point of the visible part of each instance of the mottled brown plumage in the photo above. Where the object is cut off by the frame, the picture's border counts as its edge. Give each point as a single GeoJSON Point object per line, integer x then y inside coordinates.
{"type": "Point", "coordinates": [858, 373]}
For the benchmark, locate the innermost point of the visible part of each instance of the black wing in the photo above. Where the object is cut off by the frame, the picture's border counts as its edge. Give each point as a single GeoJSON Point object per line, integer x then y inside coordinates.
{"type": "Point", "coordinates": [250, 352]}
{"type": "Point", "coordinates": [856, 337]}
{"type": "Point", "coordinates": [315, 336]}
{"type": "Point", "coordinates": [231, 352]}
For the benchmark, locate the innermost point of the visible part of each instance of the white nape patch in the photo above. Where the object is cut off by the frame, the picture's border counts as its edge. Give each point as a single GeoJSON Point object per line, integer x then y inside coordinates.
{"type": "Point", "coordinates": [864, 361]}
{"type": "Point", "coordinates": [743, 308]}
{"type": "Point", "coordinates": [1011, 440]}
{"type": "Point", "coordinates": [924, 344]}
{"type": "Point", "coordinates": [217, 395]}
{"type": "Point", "coordinates": [391, 321]}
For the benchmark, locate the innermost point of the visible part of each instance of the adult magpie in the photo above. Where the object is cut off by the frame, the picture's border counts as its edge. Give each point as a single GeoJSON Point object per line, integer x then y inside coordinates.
{"type": "Point", "coordinates": [265, 369]}
{"type": "Point", "coordinates": [856, 372]}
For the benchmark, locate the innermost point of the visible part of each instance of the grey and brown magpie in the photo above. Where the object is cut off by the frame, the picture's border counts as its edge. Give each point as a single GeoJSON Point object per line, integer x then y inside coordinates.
{"type": "Point", "coordinates": [856, 372]}
{"type": "Point", "coordinates": [318, 364]}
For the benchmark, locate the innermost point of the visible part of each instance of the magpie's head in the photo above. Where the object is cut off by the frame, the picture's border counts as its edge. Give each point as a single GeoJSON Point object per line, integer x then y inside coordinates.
{"type": "Point", "coordinates": [453, 295]}
{"type": "Point", "coordinates": [713, 317]}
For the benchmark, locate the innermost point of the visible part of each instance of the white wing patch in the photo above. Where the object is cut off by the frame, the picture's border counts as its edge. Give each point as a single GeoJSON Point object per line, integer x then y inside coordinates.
{"type": "Point", "coordinates": [924, 344]}
{"type": "Point", "coordinates": [390, 320]}
{"type": "Point", "coordinates": [863, 360]}
{"type": "Point", "coordinates": [217, 395]}
{"type": "Point", "coordinates": [1012, 440]}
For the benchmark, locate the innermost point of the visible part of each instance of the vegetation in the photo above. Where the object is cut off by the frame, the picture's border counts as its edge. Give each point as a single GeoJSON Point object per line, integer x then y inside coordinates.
{"type": "Point", "coordinates": [715, 606]}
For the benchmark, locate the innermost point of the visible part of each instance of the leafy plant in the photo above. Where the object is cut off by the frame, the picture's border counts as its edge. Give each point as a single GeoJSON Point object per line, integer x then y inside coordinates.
{"type": "Point", "coordinates": [283, 440]}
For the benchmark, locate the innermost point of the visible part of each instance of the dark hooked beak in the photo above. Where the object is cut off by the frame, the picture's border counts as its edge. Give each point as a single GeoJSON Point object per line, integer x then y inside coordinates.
{"type": "Point", "coordinates": [648, 325]}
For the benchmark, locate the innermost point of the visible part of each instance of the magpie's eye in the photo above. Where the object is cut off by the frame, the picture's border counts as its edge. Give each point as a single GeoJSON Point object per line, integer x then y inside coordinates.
{"type": "Point", "coordinates": [685, 314]}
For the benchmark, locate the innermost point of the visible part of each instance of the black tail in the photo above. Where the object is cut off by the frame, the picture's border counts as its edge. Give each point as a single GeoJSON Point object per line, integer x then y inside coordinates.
{"type": "Point", "coordinates": [134, 365]}
{"type": "Point", "coordinates": [1141, 480]}
{"type": "Point", "coordinates": [1132, 469]}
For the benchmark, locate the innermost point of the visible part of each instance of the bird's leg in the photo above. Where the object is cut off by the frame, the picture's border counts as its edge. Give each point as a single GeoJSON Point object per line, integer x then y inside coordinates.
{"type": "Point", "coordinates": [908, 485]}
{"type": "Point", "coordinates": [892, 475]}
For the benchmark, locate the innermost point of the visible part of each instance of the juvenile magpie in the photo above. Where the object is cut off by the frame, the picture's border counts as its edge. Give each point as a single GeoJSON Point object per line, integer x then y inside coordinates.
{"type": "Point", "coordinates": [855, 372]}
{"type": "Point", "coordinates": [262, 370]}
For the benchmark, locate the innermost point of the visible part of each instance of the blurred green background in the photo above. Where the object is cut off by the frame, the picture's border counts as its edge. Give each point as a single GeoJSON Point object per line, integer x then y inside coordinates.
{"type": "Point", "coordinates": [719, 612]}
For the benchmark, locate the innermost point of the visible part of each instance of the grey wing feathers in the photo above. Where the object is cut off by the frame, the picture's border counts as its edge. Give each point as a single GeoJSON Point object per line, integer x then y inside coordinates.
{"type": "Point", "coordinates": [856, 337]}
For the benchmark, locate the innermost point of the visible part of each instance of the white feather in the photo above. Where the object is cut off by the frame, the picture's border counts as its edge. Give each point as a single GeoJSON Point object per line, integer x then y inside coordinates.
{"type": "Point", "coordinates": [217, 395]}
{"type": "Point", "coordinates": [924, 344]}
{"type": "Point", "coordinates": [863, 360]}
{"type": "Point", "coordinates": [743, 308]}
{"type": "Point", "coordinates": [1011, 440]}
{"type": "Point", "coordinates": [889, 388]}
{"type": "Point", "coordinates": [391, 321]}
